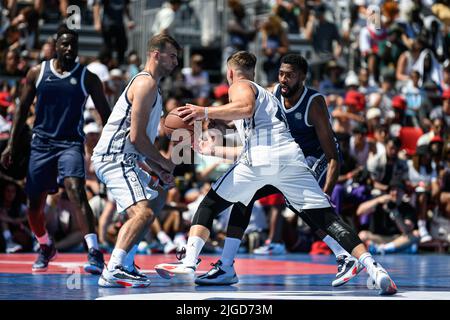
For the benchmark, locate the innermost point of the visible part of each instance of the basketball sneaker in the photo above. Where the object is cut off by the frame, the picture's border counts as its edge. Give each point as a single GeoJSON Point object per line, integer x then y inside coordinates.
{"type": "Point", "coordinates": [271, 249]}
{"type": "Point", "coordinates": [169, 270]}
{"type": "Point", "coordinates": [46, 254]}
{"type": "Point", "coordinates": [218, 275]}
{"type": "Point", "coordinates": [348, 268]}
{"type": "Point", "coordinates": [95, 262]}
{"type": "Point", "coordinates": [382, 281]}
{"type": "Point", "coordinates": [119, 277]}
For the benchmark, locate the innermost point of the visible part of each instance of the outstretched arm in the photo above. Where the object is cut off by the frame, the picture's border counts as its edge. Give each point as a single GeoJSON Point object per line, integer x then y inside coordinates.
{"type": "Point", "coordinates": [241, 105]}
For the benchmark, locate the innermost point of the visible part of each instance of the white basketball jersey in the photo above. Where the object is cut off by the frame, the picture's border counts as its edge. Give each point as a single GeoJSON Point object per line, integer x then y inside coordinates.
{"type": "Point", "coordinates": [266, 136]}
{"type": "Point", "coordinates": [115, 138]}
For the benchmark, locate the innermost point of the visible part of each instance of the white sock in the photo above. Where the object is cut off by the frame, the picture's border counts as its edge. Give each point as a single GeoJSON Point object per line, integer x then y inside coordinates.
{"type": "Point", "coordinates": [335, 246]}
{"type": "Point", "coordinates": [7, 235]}
{"type": "Point", "coordinates": [193, 248]}
{"type": "Point", "coordinates": [44, 239]}
{"type": "Point", "coordinates": [117, 258]}
{"type": "Point", "coordinates": [367, 261]}
{"type": "Point", "coordinates": [163, 237]}
{"type": "Point", "coordinates": [230, 249]}
{"type": "Point", "coordinates": [129, 259]}
{"type": "Point", "coordinates": [91, 240]}
{"type": "Point", "coordinates": [388, 247]}
{"type": "Point", "coordinates": [422, 224]}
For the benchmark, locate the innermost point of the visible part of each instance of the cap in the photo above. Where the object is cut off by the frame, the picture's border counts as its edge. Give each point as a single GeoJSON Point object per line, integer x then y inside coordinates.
{"type": "Point", "coordinates": [5, 99]}
{"type": "Point", "coordinates": [91, 127]}
{"type": "Point", "coordinates": [437, 139]}
{"type": "Point", "coordinates": [356, 99]}
{"type": "Point", "coordinates": [116, 73]}
{"type": "Point", "coordinates": [373, 113]}
{"type": "Point", "coordinates": [446, 94]}
{"type": "Point", "coordinates": [220, 91]}
{"type": "Point", "coordinates": [398, 102]}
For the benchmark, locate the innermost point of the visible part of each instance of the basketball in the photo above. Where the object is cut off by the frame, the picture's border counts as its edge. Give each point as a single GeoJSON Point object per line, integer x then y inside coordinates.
{"type": "Point", "coordinates": [173, 122]}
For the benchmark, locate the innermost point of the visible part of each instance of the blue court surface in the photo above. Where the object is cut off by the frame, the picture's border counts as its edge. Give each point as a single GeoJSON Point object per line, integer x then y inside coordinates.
{"type": "Point", "coordinates": [288, 277]}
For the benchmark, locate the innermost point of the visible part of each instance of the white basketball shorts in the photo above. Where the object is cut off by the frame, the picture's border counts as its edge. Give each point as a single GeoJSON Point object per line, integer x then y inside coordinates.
{"type": "Point", "coordinates": [126, 182]}
{"type": "Point", "coordinates": [296, 182]}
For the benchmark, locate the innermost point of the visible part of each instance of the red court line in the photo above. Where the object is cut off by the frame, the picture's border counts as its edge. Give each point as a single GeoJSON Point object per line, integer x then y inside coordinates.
{"type": "Point", "coordinates": [68, 263]}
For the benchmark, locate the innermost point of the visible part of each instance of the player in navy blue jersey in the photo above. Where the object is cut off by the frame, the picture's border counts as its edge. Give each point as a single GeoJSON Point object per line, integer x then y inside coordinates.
{"type": "Point", "coordinates": [61, 87]}
{"type": "Point", "coordinates": [306, 113]}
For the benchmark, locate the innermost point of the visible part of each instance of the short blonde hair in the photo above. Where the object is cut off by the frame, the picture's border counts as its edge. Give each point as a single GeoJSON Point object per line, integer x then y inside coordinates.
{"type": "Point", "coordinates": [243, 61]}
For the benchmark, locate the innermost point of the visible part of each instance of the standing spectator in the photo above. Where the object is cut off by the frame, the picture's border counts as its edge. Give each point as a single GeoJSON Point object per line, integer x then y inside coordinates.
{"type": "Point", "coordinates": [112, 25]}
{"type": "Point", "coordinates": [274, 45]}
{"type": "Point", "coordinates": [239, 32]}
{"type": "Point", "coordinates": [322, 34]}
{"type": "Point", "coordinates": [165, 18]}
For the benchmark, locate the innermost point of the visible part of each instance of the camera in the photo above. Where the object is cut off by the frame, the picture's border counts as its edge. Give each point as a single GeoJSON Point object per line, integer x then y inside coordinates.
{"type": "Point", "coordinates": [391, 205]}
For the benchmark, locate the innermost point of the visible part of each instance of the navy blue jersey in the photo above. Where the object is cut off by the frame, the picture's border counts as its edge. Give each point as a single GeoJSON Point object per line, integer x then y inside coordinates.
{"type": "Point", "coordinates": [60, 103]}
{"type": "Point", "coordinates": [302, 131]}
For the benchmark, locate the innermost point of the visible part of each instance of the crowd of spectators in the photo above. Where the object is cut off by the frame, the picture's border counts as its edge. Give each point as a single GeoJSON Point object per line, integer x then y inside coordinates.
{"type": "Point", "coordinates": [386, 83]}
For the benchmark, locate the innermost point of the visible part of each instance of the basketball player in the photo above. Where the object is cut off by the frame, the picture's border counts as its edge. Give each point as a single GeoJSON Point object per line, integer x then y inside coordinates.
{"type": "Point", "coordinates": [127, 139]}
{"type": "Point", "coordinates": [61, 87]}
{"type": "Point", "coordinates": [308, 119]}
{"type": "Point", "coordinates": [270, 156]}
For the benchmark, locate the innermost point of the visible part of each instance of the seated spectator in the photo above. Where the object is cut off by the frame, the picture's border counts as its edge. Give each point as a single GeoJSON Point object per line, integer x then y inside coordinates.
{"type": "Point", "coordinates": [274, 45]}
{"type": "Point", "coordinates": [437, 129]}
{"type": "Point", "coordinates": [387, 166]}
{"type": "Point", "coordinates": [423, 178]}
{"type": "Point", "coordinates": [332, 81]}
{"type": "Point", "coordinates": [62, 224]}
{"type": "Point", "coordinates": [15, 232]}
{"type": "Point", "coordinates": [196, 80]}
{"type": "Point", "coordinates": [443, 111]}
{"type": "Point", "coordinates": [359, 146]}
{"type": "Point", "coordinates": [349, 115]}
{"type": "Point", "coordinates": [393, 222]}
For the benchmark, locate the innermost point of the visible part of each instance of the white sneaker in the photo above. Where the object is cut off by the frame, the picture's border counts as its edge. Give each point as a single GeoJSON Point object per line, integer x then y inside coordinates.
{"type": "Point", "coordinates": [169, 270]}
{"type": "Point", "coordinates": [383, 282]}
{"type": "Point", "coordinates": [180, 241]}
{"type": "Point", "coordinates": [348, 268]}
{"type": "Point", "coordinates": [12, 247]}
{"type": "Point", "coordinates": [218, 275]}
{"type": "Point", "coordinates": [120, 277]}
{"type": "Point", "coordinates": [272, 249]}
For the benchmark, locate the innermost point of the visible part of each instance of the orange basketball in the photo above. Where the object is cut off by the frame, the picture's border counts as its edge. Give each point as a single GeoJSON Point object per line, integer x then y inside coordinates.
{"type": "Point", "coordinates": [173, 122]}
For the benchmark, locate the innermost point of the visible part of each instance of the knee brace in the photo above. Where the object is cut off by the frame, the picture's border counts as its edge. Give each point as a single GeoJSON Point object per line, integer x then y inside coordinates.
{"type": "Point", "coordinates": [209, 209]}
{"type": "Point", "coordinates": [327, 220]}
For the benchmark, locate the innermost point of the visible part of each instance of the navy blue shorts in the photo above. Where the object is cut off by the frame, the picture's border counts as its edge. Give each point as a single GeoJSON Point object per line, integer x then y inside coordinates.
{"type": "Point", "coordinates": [50, 162]}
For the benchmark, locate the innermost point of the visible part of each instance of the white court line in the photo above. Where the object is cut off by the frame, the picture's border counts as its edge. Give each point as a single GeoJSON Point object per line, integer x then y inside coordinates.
{"type": "Point", "coordinates": [283, 295]}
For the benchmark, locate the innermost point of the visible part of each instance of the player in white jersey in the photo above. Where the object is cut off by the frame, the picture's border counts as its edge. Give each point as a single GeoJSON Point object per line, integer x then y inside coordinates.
{"type": "Point", "coordinates": [270, 156]}
{"type": "Point", "coordinates": [127, 139]}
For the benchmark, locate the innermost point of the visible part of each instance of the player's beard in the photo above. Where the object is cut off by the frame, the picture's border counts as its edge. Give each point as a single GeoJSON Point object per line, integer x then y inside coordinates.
{"type": "Point", "coordinates": [291, 90]}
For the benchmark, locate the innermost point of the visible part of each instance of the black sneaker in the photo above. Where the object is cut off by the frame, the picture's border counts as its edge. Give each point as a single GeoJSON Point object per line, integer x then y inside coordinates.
{"type": "Point", "coordinates": [120, 277]}
{"type": "Point", "coordinates": [218, 275]}
{"type": "Point", "coordinates": [95, 262]}
{"type": "Point", "coordinates": [348, 268]}
{"type": "Point", "coordinates": [46, 254]}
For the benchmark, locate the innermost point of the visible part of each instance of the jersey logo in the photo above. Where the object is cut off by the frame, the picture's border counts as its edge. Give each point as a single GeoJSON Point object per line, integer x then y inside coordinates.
{"type": "Point", "coordinates": [50, 79]}
{"type": "Point", "coordinates": [73, 81]}
{"type": "Point", "coordinates": [298, 116]}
